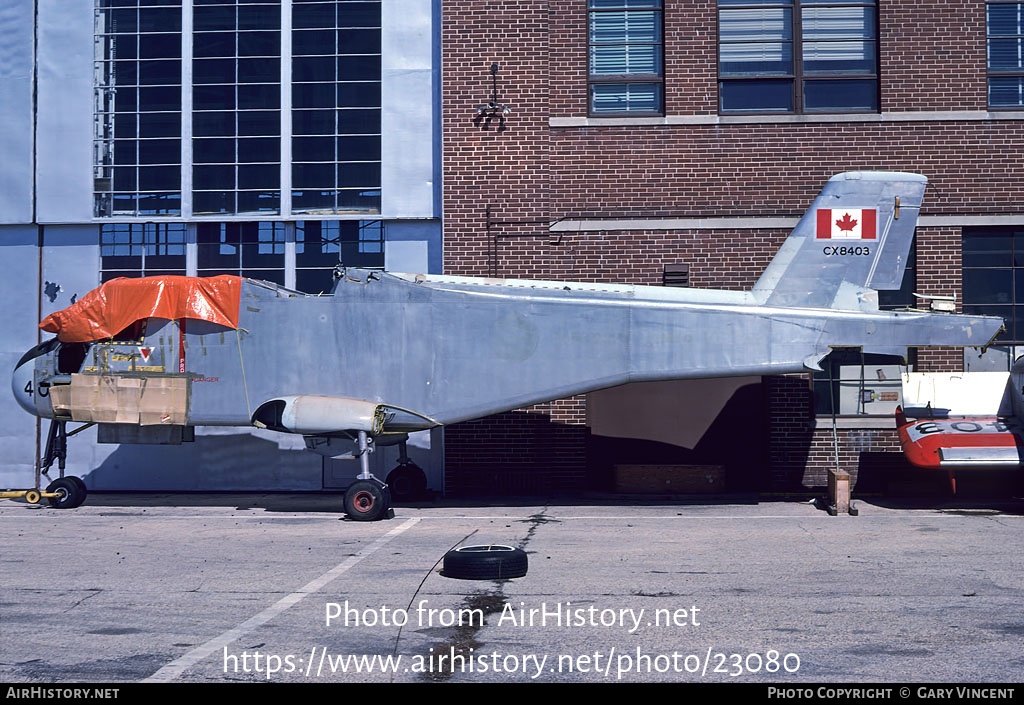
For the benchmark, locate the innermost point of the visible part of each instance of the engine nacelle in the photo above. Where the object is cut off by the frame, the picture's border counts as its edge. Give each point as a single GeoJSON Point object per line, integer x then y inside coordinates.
{"type": "Point", "coordinates": [313, 415]}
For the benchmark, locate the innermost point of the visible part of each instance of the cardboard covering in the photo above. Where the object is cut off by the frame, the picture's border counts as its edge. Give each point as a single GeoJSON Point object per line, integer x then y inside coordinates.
{"type": "Point", "coordinates": [106, 311]}
{"type": "Point", "coordinates": [149, 401]}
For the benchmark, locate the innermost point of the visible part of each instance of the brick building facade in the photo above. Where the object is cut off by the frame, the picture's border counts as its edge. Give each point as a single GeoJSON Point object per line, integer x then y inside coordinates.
{"type": "Point", "coordinates": [562, 188]}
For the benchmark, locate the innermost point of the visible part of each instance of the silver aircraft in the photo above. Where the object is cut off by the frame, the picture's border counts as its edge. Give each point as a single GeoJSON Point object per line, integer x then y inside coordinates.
{"type": "Point", "coordinates": [387, 354]}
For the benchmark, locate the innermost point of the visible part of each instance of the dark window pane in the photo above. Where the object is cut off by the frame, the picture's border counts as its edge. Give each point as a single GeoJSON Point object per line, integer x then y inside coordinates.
{"type": "Point", "coordinates": [218, 245]}
{"type": "Point", "coordinates": [160, 46]}
{"type": "Point", "coordinates": [259, 17]}
{"type": "Point", "coordinates": [259, 70]}
{"type": "Point", "coordinates": [159, 178]}
{"type": "Point", "coordinates": [125, 47]}
{"type": "Point", "coordinates": [1004, 54]}
{"type": "Point", "coordinates": [356, 122]}
{"type": "Point", "coordinates": [259, 123]}
{"type": "Point", "coordinates": [259, 176]}
{"type": "Point", "coordinates": [206, 18]}
{"type": "Point", "coordinates": [159, 203]}
{"type": "Point", "coordinates": [159, 19]}
{"type": "Point", "coordinates": [625, 97]}
{"type": "Point", "coordinates": [218, 124]}
{"type": "Point", "coordinates": [213, 151]}
{"type": "Point", "coordinates": [124, 151]}
{"type": "Point", "coordinates": [259, 201]}
{"type": "Point", "coordinates": [124, 21]}
{"type": "Point", "coordinates": [316, 68]}
{"type": "Point", "coordinates": [983, 248]}
{"type": "Point", "coordinates": [126, 73]}
{"type": "Point", "coordinates": [839, 57]}
{"type": "Point", "coordinates": [259, 150]}
{"type": "Point", "coordinates": [362, 175]}
{"type": "Point", "coordinates": [213, 98]}
{"type": "Point", "coordinates": [316, 176]}
{"type": "Point", "coordinates": [359, 149]}
{"type": "Point", "coordinates": [313, 95]}
{"type": "Point", "coordinates": [988, 286]}
{"type": "Point", "coordinates": [312, 200]}
{"type": "Point", "coordinates": [1006, 91]}
{"type": "Point", "coordinates": [214, 44]}
{"type": "Point", "coordinates": [162, 98]}
{"type": "Point", "coordinates": [314, 281]}
{"type": "Point", "coordinates": [213, 177]}
{"type": "Point", "coordinates": [125, 179]}
{"type": "Point", "coordinates": [313, 42]}
{"type": "Point", "coordinates": [359, 14]}
{"type": "Point", "coordinates": [160, 152]}
{"type": "Point", "coordinates": [841, 95]}
{"type": "Point", "coordinates": [268, 275]}
{"type": "Point", "coordinates": [358, 68]}
{"type": "Point", "coordinates": [125, 126]}
{"type": "Point", "coordinates": [1004, 19]}
{"type": "Point", "coordinates": [319, 15]}
{"type": "Point", "coordinates": [766, 95]}
{"type": "Point", "coordinates": [152, 73]}
{"type": "Point", "coordinates": [213, 71]}
{"type": "Point", "coordinates": [313, 122]}
{"type": "Point", "coordinates": [259, 44]}
{"type": "Point", "coordinates": [358, 94]}
{"type": "Point", "coordinates": [358, 41]}
{"type": "Point", "coordinates": [359, 200]}
{"type": "Point", "coordinates": [160, 125]}
{"type": "Point", "coordinates": [259, 96]}
{"type": "Point", "coordinates": [313, 149]}
{"type": "Point", "coordinates": [126, 100]}
{"type": "Point", "coordinates": [262, 243]}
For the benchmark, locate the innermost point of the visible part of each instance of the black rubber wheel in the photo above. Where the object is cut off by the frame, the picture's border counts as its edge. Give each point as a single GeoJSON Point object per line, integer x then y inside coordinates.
{"type": "Point", "coordinates": [79, 481]}
{"type": "Point", "coordinates": [72, 494]}
{"type": "Point", "coordinates": [485, 563]}
{"type": "Point", "coordinates": [366, 501]}
{"type": "Point", "coordinates": [407, 481]}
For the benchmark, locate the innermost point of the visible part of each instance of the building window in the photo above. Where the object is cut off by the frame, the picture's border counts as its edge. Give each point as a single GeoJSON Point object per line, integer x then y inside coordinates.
{"type": "Point", "coordinates": [798, 56]}
{"type": "Point", "coordinates": [336, 103]}
{"type": "Point", "coordinates": [626, 49]}
{"type": "Point", "coordinates": [137, 111]}
{"type": "Point", "coordinates": [1005, 29]}
{"type": "Point", "coordinates": [141, 249]}
{"type": "Point", "coordinates": [254, 250]}
{"type": "Point", "coordinates": [322, 245]}
{"type": "Point", "coordinates": [993, 271]}
{"type": "Point", "coordinates": [236, 107]}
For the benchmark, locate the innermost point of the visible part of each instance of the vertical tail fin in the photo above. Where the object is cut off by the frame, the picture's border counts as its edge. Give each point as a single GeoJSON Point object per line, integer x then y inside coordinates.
{"type": "Point", "coordinates": [853, 241]}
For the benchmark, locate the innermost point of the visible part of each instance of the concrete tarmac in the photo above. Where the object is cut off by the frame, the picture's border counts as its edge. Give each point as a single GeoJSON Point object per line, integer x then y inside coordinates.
{"type": "Point", "coordinates": [240, 588]}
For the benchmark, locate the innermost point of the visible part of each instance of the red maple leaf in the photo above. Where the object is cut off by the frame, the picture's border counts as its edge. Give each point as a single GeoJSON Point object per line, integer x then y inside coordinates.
{"type": "Point", "coordinates": [847, 223]}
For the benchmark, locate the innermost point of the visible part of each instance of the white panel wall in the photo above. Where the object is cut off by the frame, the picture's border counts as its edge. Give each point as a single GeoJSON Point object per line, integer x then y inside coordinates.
{"type": "Point", "coordinates": [16, 111]}
{"type": "Point", "coordinates": [410, 123]}
{"type": "Point", "coordinates": [19, 254]}
{"type": "Point", "coordinates": [64, 128]}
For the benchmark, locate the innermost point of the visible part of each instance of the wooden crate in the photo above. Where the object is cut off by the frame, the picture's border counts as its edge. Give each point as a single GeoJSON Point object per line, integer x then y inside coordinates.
{"type": "Point", "coordinates": [670, 479]}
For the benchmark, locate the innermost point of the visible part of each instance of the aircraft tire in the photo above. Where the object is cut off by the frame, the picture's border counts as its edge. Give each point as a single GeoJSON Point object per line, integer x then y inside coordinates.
{"type": "Point", "coordinates": [407, 481]}
{"type": "Point", "coordinates": [491, 562]}
{"type": "Point", "coordinates": [72, 493]}
{"type": "Point", "coordinates": [366, 501]}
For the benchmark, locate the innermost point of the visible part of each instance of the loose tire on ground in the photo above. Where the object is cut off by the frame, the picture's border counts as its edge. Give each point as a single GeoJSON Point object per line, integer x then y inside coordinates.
{"type": "Point", "coordinates": [366, 501]}
{"type": "Point", "coordinates": [490, 562]}
{"type": "Point", "coordinates": [71, 493]}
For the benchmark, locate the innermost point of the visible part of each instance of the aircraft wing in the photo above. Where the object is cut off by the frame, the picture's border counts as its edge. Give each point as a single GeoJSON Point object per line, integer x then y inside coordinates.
{"type": "Point", "coordinates": [961, 442]}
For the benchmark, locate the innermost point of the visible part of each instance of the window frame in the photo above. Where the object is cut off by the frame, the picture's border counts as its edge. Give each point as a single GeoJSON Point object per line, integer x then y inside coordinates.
{"type": "Point", "coordinates": [989, 72]}
{"type": "Point", "coordinates": [797, 76]}
{"type": "Point", "coordinates": [657, 6]}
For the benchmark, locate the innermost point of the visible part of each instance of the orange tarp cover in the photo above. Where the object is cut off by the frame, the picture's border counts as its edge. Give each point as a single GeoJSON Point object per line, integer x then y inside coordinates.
{"type": "Point", "coordinates": [116, 304]}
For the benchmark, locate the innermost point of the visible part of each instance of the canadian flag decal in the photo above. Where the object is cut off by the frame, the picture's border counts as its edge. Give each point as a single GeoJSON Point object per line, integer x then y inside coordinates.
{"type": "Point", "coordinates": [846, 224]}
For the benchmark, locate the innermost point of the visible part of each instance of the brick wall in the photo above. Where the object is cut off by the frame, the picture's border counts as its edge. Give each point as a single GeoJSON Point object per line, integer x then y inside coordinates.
{"type": "Point", "coordinates": [502, 187]}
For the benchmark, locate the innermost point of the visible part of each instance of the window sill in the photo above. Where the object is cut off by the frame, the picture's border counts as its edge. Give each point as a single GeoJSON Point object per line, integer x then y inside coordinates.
{"type": "Point", "coordinates": [824, 423]}
{"type": "Point", "coordinates": [915, 116]}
